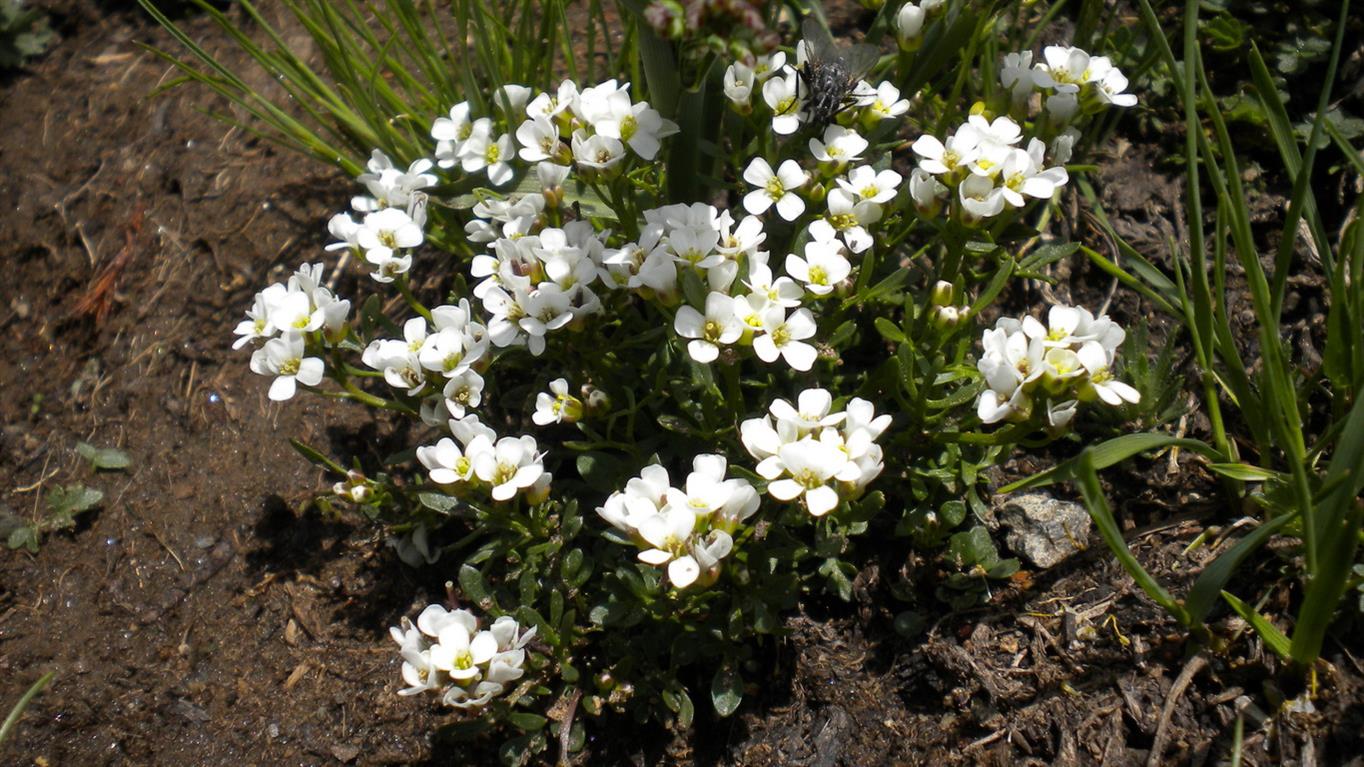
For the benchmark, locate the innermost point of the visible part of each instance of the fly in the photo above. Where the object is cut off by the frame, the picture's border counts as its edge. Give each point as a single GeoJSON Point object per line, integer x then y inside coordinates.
{"type": "Point", "coordinates": [830, 72]}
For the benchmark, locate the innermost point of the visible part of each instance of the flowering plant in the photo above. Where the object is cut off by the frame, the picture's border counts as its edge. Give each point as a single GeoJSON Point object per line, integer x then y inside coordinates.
{"type": "Point", "coordinates": [740, 382]}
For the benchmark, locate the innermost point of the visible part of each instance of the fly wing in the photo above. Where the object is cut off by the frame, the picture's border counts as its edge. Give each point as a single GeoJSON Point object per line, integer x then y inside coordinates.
{"type": "Point", "coordinates": [819, 44]}
{"type": "Point", "coordinates": [859, 59]}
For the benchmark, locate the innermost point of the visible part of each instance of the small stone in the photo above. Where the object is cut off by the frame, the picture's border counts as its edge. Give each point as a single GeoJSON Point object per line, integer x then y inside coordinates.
{"type": "Point", "coordinates": [1043, 530]}
{"type": "Point", "coordinates": [345, 753]}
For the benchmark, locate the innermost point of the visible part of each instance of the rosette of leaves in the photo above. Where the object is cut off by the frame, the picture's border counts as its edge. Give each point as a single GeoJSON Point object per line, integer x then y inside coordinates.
{"type": "Point", "coordinates": [24, 33]}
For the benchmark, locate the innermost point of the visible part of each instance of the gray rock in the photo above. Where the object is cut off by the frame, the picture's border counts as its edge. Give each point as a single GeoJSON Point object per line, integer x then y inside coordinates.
{"type": "Point", "coordinates": [1043, 530]}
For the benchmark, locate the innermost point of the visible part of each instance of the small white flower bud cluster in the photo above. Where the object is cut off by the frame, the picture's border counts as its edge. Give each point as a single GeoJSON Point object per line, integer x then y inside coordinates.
{"type": "Point", "coordinates": [446, 653]}
{"type": "Point", "coordinates": [689, 529]}
{"type": "Point", "coordinates": [1063, 363]}
{"type": "Point", "coordinates": [809, 453]}
{"type": "Point", "coordinates": [290, 319]}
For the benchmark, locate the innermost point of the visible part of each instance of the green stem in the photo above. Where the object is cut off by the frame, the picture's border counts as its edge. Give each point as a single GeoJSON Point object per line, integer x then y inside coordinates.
{"type": "Point", "coordinates": [406, 290]}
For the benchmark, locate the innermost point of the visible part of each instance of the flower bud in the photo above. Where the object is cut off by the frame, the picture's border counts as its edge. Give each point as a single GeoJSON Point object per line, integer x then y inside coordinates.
{"type": "Point", "coordinates": [942, 293]}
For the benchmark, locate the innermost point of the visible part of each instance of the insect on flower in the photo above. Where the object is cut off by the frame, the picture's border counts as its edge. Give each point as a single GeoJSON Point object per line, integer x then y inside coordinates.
{"type": "Point", "coordinates": [830, 72]}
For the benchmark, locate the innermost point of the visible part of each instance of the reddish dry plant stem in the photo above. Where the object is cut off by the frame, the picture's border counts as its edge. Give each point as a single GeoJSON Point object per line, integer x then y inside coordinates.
{"type": "Point", "coordinates": [98, 298]}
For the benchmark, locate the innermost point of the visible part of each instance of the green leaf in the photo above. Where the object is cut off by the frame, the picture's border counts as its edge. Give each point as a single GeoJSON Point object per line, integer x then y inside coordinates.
{"type": "Point", "coordinates": [1273, 637]}
{"type": "Point", "coordinates": [525, 721]}
{"type": "Point", "coordinates": [1246, 473]}
{"type": "Point", "coordinates": [438, 502]}
{"type": "Point", "coordinates": [679, 702]}
{"type": "Point", "coordinates": [472, 584]}
{"type": "Point", "coordinates": [103, 457]}
{"type": "Point", "coordinates": [726, 689]}
{"type": "Point", "coordinates": [1216, 575]}
{"type": "Point", "coordinates": [600, 471]}
{"type": "Point", "coordinates": [71, 500]}
{"type": "Point", "coordinates": [1097, 506]}
{"type": "Point", "coordinates": [889, 330]}
{"type": "Point", "coordinates": [315, 456]}
{"type": "Point", "coordinates": [1110, 453]}
{"type": "Point", "coordinates": [25, 537]}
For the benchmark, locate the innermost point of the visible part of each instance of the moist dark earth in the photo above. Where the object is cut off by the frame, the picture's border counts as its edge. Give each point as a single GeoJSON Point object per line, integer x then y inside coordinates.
{"type": "Point", "coordinates": [206, 615]}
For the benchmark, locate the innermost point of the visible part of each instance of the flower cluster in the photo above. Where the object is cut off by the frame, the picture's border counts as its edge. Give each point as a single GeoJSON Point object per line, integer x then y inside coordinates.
{"type": "Point", "coordinates": [293, 320]}
{"type": "Point", "coordinates": [1071, 80]}
{"type": "Point", "coordinates": [393, 220]}
{"type": "Point", "coordinates": [591, 128]}
{"type": "Point", "coordinates": [689, 529]}
{"type": "Point", "coordinates": [446, 653]}
{"type": "Point", "coordinates": [806, 451]}
{"type": "Point", "coordinates": [983, 162]}
{"type": "Point", "coordinates": [437, 360]}
{"type": "Point", "coordinates": [477, 458]}
{"type": "Point", "coordinates": [785, 97]}
{"type": "Point", "coordinates": [539, 280]}
{"type": "Point", "coordinates": [1063, 363]}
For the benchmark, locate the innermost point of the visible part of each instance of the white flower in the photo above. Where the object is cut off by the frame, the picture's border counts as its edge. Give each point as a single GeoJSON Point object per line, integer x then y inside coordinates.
{"type": "Point", "coordinates": [511, 466]}
{"type": "Point", "coordinates": [597, 152]}
{"type": "Point", "coordinates": [884, 103]}
{"type": "Point", "coordinates": [539, 139]}
{"type": "Point", "coordinates": [258, 324]}
{"type": "Point", "coordinates": [780, 95]}
{"type": "Point", "coordinates": [782, 291]}
{"type": "Point", "coordinates": [605, 101]}
{"type": "Point", "coordinates": [1065, 68]}
{"type": "Point", "coordinates": [961, 149]}
{"type": "Point", "coordinates": [718, 327]}
{"type": "Point", "coordinates": [775, 188]}
{"type": "Point", "coordinates": [995, 142]}
{"type": "Point", "coordinates": [283, 358]}
{"type": "Point", "coordinates": [641, 128]}
{"type": "Point", "coordinates": [463, 391]}
{"type": "Point", "coordinates": [552, 107]}
{"type": "Point", "coordinates": [668, 532]}
{"type": "Point", "coordinates": [1064, 144]}
{"type": "Point", "coordinates": [557, 405]}
{"type": "Point", "coordinates": [451, 133]}
{"type": "Point", "coordinates": [1016, 74]}
{"type": "Point", "coordinates": [839, 146]}
{"type": "Point", "coordinates": [389, 186]}
{"type": "Point", "coordinates": [847, 217]}
{"type": "Point", "coordinates": [822, 268]}
{"type": "Point", "coordinates": [1112, 90]}
{"type": "Point", "coordinates": [810, 412]}
{"type": "Point", "coordinates": [706, 490]}
{"type": "Point", "coordinates": [418, 672]}
{"type": "Point", "coordinates": [482, 152]}
{"type": "Point", "coordinates": [382, 235]}
{"type": "Point", "coordinates": [980, 198]}
{"type": "Point", "coordinates": [909, 25]}
{"type": "Point", "coordinates": [927, 192]}
{"type": "Point", "coordinates": [459, 654]}
{"type": "Point", "coordinates": [446, 463]}
{"type": "Point", "coordinates": [785, 337]}
{"type": "Point", "coordinates": [739, 80]}
{"type": "Point", "coordinates": [1022, 174]}
{"type": "Point", "coordinates": [1097, 361]}
{"type": "Point", "coordinates": [809, 465]}
{"type": "Point", "coordinates": [414, 548]}
{"type": "Point", "coordinates": [867, 184]}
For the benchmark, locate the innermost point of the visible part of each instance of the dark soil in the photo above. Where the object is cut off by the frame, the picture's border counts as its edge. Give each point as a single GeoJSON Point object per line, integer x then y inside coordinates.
{"type": "Point", "coordinates": [200, 618]}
